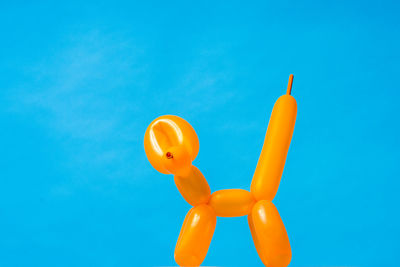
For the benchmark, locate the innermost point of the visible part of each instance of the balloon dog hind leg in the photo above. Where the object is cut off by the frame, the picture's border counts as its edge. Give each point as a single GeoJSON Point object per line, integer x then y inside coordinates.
{"type": "Point", "coordinates": [269, 234]}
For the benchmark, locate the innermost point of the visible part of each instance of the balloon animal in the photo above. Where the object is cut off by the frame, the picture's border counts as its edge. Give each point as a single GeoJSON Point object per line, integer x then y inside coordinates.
{"type": "Point", "coordinates": [171, 144]}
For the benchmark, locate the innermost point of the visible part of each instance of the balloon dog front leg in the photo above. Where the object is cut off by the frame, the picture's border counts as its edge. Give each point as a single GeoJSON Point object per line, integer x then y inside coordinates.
{"type": "Point", "coordinates": [195, 236]}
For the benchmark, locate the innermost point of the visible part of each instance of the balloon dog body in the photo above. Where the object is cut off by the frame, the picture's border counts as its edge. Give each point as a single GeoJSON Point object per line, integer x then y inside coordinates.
{"type": "Point", "coordinates": [171, 144]}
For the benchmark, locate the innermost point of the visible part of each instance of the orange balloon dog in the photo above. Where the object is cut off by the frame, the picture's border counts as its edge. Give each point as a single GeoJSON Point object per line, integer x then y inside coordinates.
{"type": "Point", "coordinates": [171, 144]}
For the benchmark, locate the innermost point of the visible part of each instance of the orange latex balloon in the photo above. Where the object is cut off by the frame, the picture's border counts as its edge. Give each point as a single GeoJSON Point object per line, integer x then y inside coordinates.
{"type": "Point", "coordinates": [232, 202]}
{"type": "Point", "coordinates": [171, 145]}
{"type": "Point", "coordinates": [195, 237]}
{"type": "Point", "coordinates": [170, 134]}
{"type": "Point", "coordinates": [193, 187]}
{"type": "Point", "coordinates": [269, 235]}
{"type": "Point", "coordinates": [177, 160]}
{"type": "Point", "coordinates": [270, 165]}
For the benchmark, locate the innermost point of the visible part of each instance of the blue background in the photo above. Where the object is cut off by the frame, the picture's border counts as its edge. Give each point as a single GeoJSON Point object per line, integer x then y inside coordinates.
{"type": "Point", "coordinates": [80, 82]}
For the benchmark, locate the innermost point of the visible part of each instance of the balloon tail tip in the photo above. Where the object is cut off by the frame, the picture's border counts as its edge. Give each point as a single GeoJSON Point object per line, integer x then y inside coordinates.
{"type": "Point", "coordinates": [289, 87]}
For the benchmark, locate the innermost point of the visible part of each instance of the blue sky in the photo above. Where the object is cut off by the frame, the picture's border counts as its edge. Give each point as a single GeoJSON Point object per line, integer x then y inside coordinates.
{"type": "Point", "coordinates": [80, 82]}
